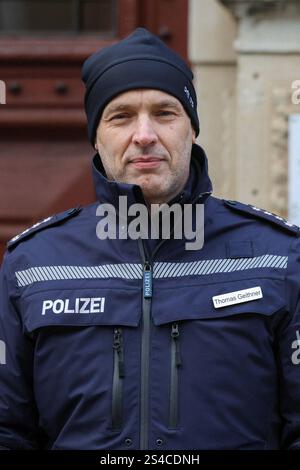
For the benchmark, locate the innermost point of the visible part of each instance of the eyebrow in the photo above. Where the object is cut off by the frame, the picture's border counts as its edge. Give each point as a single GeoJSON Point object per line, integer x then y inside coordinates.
{"type": "Point", "coordinates": [168, 104]}
{"type": "Point", "coordinates": [127, 106]}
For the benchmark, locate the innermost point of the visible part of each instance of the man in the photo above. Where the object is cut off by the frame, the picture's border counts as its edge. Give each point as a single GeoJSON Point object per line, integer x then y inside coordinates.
{"type": "Point", "coordinates": [123, 342]}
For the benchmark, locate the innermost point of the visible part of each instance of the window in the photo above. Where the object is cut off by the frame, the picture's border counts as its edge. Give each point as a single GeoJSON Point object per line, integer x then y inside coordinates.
{"type": "Point", "coordinates": [58, 16]}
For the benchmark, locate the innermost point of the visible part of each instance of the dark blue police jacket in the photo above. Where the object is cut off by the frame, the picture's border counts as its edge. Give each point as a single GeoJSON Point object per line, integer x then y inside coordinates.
{"type": "Point", "coordinates": [123, 344]}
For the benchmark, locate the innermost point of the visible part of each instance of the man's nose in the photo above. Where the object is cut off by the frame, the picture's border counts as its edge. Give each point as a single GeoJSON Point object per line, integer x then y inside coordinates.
{"type": "Point", "coordinates": [144, 133]}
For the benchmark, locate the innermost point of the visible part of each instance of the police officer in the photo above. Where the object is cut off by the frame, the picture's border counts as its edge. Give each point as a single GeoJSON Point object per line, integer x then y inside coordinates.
{"type": "Point", "coordinates": [125, 342]}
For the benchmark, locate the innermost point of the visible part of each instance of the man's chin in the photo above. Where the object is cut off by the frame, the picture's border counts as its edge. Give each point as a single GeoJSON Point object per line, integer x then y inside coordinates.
{"type": "Point", "coordinates": [149, 183]}
{"type": "Point", "coordinates": [152, 186]}
{"type": "Point", "coordinates": [154, 195]}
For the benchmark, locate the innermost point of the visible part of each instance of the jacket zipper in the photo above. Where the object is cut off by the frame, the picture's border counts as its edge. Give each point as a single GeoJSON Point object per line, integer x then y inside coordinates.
{"type": "Point", "coordinates": [118, 375]}
{"type": "Point", "coordinates": [175, 364]}
{"type": "Point", "coordinates": [145, 347]}
{"type": "Point", "coordinates": [145, 340]}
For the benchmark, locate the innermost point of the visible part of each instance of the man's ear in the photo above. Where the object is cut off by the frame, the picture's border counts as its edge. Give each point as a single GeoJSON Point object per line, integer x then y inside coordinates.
{"type": "Point", "coordinates": [96, 146]}
{"type": "Point", "coordinates": [194, 136]}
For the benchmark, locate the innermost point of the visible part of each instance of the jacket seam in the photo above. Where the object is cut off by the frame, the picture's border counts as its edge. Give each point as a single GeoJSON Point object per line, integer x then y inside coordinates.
{"type": "Point", "coordinates": [281, 279]}
{"type": "Point", "coordinates": [25, 296]}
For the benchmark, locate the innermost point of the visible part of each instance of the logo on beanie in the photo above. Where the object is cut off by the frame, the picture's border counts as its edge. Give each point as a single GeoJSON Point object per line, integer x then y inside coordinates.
{"type": "Point", "coordinates": [188, 95]}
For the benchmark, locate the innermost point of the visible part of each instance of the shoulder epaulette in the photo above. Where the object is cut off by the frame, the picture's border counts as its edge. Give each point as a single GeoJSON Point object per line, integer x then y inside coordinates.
{"type": "Point", "coordinates": [48, 222]}
{"type": "Point", "coordinates": [263, 214]}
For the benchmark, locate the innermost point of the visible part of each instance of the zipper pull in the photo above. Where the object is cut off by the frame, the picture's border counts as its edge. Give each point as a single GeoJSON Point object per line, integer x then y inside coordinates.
{"type": "Point", "coordinates": [147, 280]}
{"type": "Point", "coordinates": [118, 346]}
{"type": "Point", "coordinates": [175, 337]}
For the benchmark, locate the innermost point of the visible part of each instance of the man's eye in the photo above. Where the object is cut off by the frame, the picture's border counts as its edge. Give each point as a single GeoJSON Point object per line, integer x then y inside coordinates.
{"type": "Point", "coordinates": [120, 116]}
{"type": "Point", "coordinates": [165, 113]}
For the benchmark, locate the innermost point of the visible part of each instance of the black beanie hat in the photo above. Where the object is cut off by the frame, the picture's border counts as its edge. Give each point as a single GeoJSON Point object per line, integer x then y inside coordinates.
{"type": "Point", "coordinates": [141, 60]}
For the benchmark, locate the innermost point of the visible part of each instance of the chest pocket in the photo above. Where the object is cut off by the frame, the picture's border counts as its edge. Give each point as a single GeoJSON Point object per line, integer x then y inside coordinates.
{"type": "Point", "coordinates": [216, 347]}
{"type": "Point", "coordinates": [84, 339]}
{"type": "Point", "coordinates": [81, 307]}
{"type": "Point", "coordinates": [195, 302]}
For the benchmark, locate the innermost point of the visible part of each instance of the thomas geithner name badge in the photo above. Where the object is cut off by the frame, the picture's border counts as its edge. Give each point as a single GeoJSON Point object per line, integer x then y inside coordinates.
{"type": "Point", "coordinates": [237, 297]}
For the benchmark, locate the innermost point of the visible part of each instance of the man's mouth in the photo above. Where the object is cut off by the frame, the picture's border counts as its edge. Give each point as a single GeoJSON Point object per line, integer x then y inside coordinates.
{"type": "Point", "coordinates": [146, 161]}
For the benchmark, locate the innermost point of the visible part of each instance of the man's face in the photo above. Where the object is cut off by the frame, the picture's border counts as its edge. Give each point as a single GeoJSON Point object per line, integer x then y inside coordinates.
{"type": "Point", "coordinates": [145, 137]}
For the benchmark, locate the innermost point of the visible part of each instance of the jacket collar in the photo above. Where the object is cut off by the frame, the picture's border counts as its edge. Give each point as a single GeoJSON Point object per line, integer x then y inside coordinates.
{"type": "Point", "coordinates": [197, 188]}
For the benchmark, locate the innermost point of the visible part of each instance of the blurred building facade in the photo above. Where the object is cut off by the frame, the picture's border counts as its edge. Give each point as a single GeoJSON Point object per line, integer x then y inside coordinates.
{"type": "Point", "coordinates": [246, 57]}
{"type": "Point", "coordinates": [45, 155]}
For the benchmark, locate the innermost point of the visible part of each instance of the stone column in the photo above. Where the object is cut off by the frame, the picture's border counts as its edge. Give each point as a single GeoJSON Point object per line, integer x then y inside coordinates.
{"type": "Point", "coordinates": [268, 56]}
{"type": "Point", "coordinates": [212, 30]}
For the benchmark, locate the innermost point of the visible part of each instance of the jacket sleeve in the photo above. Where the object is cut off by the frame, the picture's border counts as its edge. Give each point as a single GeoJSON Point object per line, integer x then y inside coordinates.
{"type": "Point", "coordinates": [18, 414]}
{"type": "Point", "coordinates": [289, 355]}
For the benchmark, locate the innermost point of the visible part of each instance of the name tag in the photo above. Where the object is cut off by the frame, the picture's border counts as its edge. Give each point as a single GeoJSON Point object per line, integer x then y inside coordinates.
{"type": "Point", "coordinates": [237, 297]}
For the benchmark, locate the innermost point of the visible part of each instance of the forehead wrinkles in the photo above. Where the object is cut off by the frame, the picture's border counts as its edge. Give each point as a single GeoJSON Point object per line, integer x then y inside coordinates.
{"type": "Point", "coordinates": [142, 99]}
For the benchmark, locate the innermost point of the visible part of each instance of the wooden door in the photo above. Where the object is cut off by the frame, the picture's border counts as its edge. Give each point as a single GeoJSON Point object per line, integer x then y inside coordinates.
{"type": "Point", "coordinates": [45, 155]}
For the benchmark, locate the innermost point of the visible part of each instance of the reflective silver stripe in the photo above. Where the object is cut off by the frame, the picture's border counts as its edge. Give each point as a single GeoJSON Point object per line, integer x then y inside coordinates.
{"type": "Point", "coordinates": [161, 269]}
{"type": "Point", "coordinates": [21, 278]}
{"type": "Point", "coordinates": [55, 273]}
{"type": "Point", "coordinates": [217, 266]}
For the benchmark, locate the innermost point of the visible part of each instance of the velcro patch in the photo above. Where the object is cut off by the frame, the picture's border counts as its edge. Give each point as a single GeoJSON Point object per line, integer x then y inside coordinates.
{"type": "Point", "coordinates": [239, 249]}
